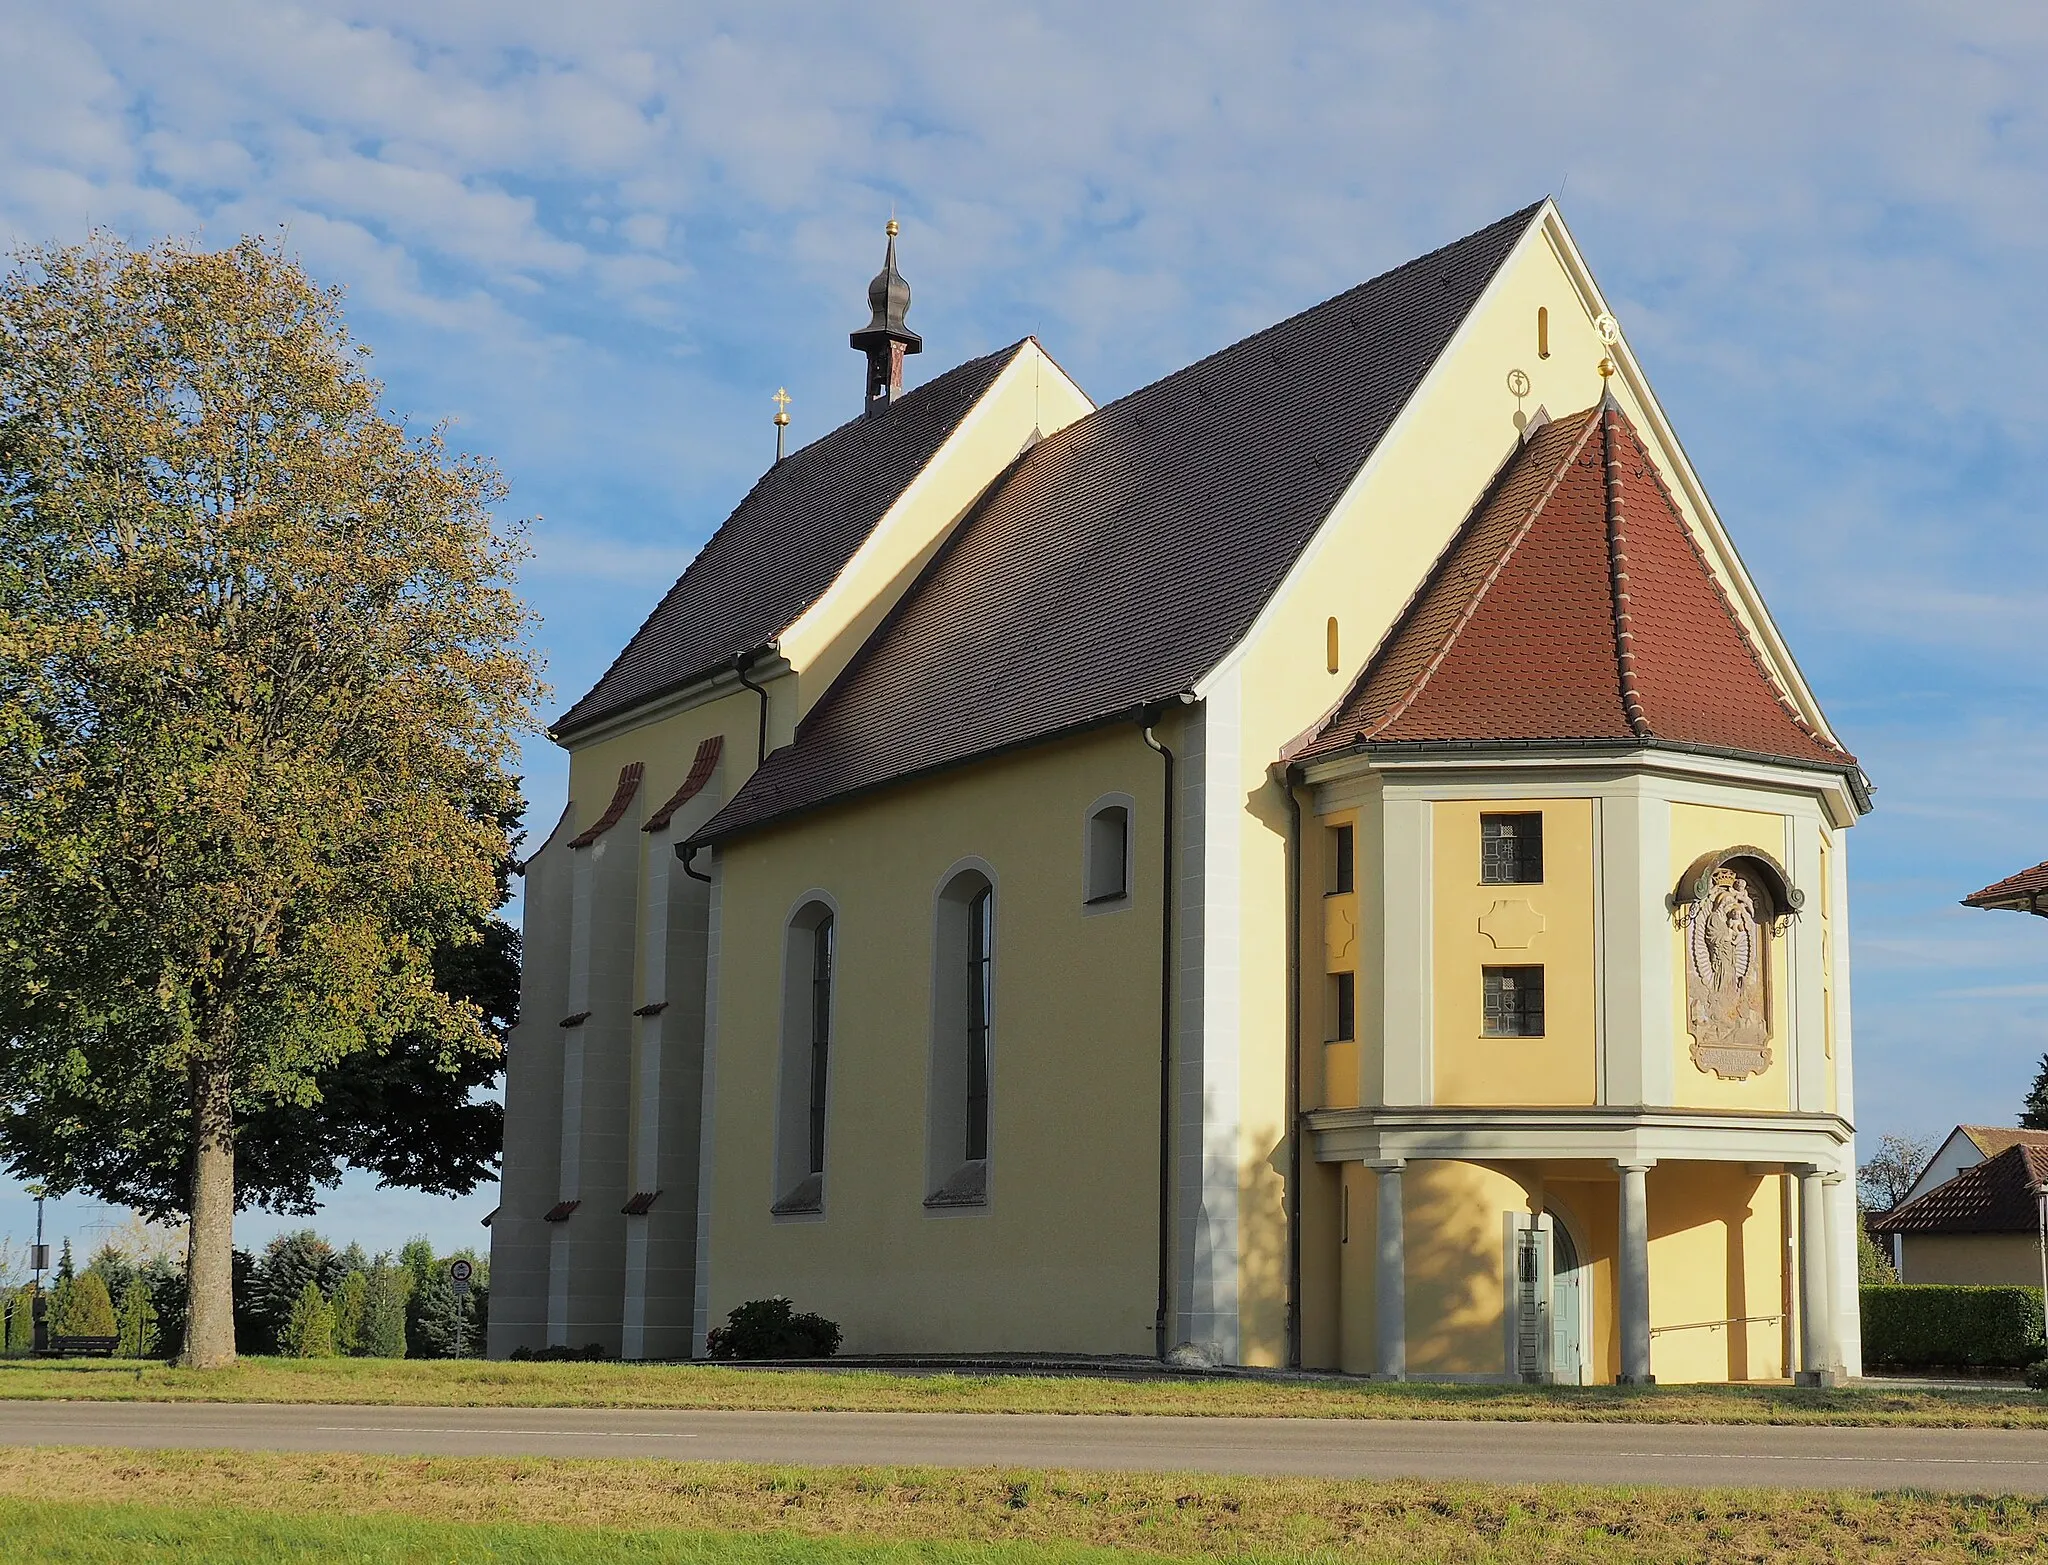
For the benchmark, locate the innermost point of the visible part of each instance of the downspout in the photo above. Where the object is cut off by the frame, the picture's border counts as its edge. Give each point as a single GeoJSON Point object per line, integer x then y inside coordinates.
{"type": "Point", "coordinates": [1288, 779]}
{"type": "Point", "coordinates": [740, 665]}
{"type": "Point", "coordinates": [1166, 891]}
{"type": "Point", "coordinates": [686, 851]}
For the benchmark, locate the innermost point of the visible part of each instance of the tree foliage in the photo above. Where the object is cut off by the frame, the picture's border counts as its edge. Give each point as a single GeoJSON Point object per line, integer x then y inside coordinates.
{"type": "Point", "coordinates": [138, 1324]}
{"type": "Point", "coordinates": [2034, 1111]}
{"type": "Point", "coordinates": [350, 1301]}
{"type": "Point", "coordinates": [81, 1308]}
{"type": "Point", "coordinates": [1883, 1179]}
{"type": "Point", "coordinates": [262, 669]}
{"type": "Point", "coordinates": [384, 1303]}
{"type": "Point", "coordinates": [309, 1329]}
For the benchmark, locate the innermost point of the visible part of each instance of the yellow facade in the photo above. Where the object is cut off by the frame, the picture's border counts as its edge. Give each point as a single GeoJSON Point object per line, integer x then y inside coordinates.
{"type": "Point", "coordinates": [1697, 829]}
{"type": "Point", "coordinates": [1063, 1257]}
{"type": "Point", "coordinates": [1980, 1260]}
{"type": "Point", "coordinates": [1548, 924]}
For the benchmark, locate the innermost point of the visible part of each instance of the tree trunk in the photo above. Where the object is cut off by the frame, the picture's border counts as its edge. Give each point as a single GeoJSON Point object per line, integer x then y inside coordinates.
{"type": "Point", "coordinates": [210, 1258]}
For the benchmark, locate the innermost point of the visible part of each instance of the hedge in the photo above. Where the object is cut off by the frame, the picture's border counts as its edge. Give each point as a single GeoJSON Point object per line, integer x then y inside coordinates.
{"type": "Point", "coordinates": [1936, 1324]}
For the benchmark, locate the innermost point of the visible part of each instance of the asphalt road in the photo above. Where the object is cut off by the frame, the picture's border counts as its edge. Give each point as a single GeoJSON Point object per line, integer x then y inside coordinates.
{"type": "Point", "coordinates": [1971, 1460]}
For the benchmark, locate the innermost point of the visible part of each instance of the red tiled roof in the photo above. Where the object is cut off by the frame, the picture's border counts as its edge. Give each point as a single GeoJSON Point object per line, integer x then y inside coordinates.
{"type": "Point", "coordinates": [641, 1204]}
{"type": "Point", "coordinates": [622, 798]}
{"type": "Point", "coordinates": [560, 1212]}
{"type": "Point", "coordinates": [700, 773]}
{"type": "Point", "coordinates": [1991, 1198]}
{"type": "Point", "coordinates": [1573, 604]}
{"type": "Point", "coordinates": [2021, 892]}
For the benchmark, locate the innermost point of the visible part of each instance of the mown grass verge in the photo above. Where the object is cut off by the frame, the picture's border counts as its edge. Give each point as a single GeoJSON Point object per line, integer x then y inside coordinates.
{"type": "Point", "coordinates": [474, 1383]}
{"type": "Point", "coordinates": [235, 1506]}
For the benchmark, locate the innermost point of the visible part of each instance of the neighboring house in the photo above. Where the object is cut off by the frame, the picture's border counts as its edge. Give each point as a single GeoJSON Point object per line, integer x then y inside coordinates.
{"type": "Point", "coordinates": [2021, 893]}
{"type": "Point", "coordinates": [1982, 1226]}
{"type": "Point", "coordinates": [1317, 861]}
{"type": "Point", "coordinates": [1965, 1147]}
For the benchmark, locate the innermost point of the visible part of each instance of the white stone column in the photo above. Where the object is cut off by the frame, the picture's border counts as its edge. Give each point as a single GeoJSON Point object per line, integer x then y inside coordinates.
{"type": "Point", "coordinates": [1632, 1295]}
{"type": "Point", "coordinates": [1816, 1306]}
{"type": "Point", "coordinates": [1390, 1276]}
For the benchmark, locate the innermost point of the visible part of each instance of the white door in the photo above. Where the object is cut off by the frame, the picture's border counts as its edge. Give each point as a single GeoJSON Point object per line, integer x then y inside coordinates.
{"type": "Point", "coordinates": [1567, 1310]}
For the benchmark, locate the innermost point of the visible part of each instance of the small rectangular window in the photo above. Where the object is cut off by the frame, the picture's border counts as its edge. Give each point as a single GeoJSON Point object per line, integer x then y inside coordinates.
{"type": "Point", "coordinates": [1343, 1007]}
{"type": "Point", "coordinates": [1511, 849]}
{"type": "Point", "coordinates": [1109, 854]}
{"type": "Point", "coordinates": [1343, 860]}
{"type": "Point", "coordinates": [1514, 1002]}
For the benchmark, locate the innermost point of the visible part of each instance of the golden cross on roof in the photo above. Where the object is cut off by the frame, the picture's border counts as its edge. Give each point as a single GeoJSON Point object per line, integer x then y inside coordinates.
{"type": "Point", "coordinates": [781, 401]}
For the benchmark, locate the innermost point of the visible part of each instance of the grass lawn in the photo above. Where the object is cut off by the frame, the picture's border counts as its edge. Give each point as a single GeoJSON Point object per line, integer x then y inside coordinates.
{"type": "Point", "coordinates": [237, 1506]}
{"type": "Point", "coordinates": [471, 1382]}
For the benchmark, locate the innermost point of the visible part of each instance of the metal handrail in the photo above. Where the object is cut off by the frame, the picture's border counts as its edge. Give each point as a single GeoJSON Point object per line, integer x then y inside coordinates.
{"type": "Point", "coordinates": [1715, 1325]}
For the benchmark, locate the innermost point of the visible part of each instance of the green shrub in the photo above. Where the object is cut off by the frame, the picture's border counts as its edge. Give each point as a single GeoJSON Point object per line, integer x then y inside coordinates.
{"type": "Point", "coordinates": [559, 1354]}
{"type": "Point", "coordinates": [21, 1326]}
{"type": "Point", "coordinates": [137, 1321]}
{"type": "Point", "coordinates": [2037, 1374]}
{"type": "Point", "coordinates": [309, 1329]}
{"type": "Point", "coordinates": [772, 1329]}
{"type": "Point", "coordinates": [83, 1309]}
{"type": "Point", "coordinates": [1938, 1324]}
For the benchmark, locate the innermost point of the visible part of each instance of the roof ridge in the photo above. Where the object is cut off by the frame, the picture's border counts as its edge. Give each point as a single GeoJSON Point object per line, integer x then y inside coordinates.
{"type": "Point", "coordinates": [1615, 518]}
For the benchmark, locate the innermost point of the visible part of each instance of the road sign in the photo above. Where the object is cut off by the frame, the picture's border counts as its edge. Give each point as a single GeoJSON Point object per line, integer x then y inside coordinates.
{"type": "Point", "coordinates": [459, 1273]}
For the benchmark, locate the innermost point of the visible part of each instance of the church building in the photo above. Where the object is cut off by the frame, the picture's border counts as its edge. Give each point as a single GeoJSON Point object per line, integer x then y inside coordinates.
{"type": "Point", "coordinates": [1325, 860]}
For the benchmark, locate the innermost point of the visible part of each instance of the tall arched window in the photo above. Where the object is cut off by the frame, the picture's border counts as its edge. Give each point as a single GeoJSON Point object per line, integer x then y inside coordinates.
{"type": "Point", "coordinates": [809, 960]}
{"type": "Point", "coordinates": [963, 1030]}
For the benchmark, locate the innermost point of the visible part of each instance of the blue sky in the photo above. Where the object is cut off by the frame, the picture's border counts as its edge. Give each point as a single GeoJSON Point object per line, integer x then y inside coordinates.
{"type": "Point", "coordinates": [598, 237]}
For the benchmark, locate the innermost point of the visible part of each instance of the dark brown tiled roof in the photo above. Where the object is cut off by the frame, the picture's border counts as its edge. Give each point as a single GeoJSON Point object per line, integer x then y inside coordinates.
{"type": "Point", "coordinates": [701, 768]}
{"type": "Point", "coordinates": [1563, 611]}
{"type": "Point", "coordinates": [1124, 556]}
{"type": "Point", "coordinates": [2021, 892]}
{"type": "Point", "coordinates": [622, 800]}
{"type": "Point", "coordinates": [785, 544]}
{"type": "Point", "coordinates": [1991, 1198]}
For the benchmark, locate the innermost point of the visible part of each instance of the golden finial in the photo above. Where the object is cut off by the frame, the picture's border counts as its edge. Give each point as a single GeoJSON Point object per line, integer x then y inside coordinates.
{"type": "Point", "coordinates": [781, 401]}
{"type": "Point", "coordinates": [891, 229]}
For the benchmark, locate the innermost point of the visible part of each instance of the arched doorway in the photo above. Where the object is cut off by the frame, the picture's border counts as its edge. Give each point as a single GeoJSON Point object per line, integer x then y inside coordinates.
{"type": "Point", "coordinates": [1567, 1309]}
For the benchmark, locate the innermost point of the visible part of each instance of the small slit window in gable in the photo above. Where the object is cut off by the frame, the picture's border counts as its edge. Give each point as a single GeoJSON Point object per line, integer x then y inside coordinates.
{"type": "Point", "coordinates": [1343, 860]}
{"type": "Point", "coordinates": [1343, 1007]}
{"type": "Point", "coordinates": [1330, 644]}
{"type": "Point", "coordinates": [1109, 855]}
{"type": "Point", "coordinates": [1511, 849]}
{"type": "Point", "coordinates": [1542, 332]}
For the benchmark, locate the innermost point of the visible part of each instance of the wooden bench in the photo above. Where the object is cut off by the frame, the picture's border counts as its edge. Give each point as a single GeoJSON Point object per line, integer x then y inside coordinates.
{"type": "Point", "coordinates": [81, 1347]}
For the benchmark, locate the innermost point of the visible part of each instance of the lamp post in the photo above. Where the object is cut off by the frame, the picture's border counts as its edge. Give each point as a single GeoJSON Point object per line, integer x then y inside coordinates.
{"type": "Point", "coordinates": [39, 1261]}
{"type": "Point", "coordinates": [2041, 1229]}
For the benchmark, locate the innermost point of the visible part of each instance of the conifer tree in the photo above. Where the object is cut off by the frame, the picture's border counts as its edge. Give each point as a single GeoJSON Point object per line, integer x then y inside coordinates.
{"type": "Point", "coordinates": [65, 1270]}
{"type": "Point", "coordinates": [384, 1312]}
{"type": "Point", "coordinates": [350, 1301]}
{"type": "Point", "coordinates": [309, 1331]}
{"type": "Point", "coordinates": [137, 1321]}
{"type": "Point", "coordinates": [2034, 1111]}
{"type": "Point", "coordinates": [82, 1309]}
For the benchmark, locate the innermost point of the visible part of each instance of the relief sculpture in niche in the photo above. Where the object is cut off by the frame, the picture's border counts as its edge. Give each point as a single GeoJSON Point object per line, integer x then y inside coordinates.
{"type": "Point", "coordinates": [1726, 997]}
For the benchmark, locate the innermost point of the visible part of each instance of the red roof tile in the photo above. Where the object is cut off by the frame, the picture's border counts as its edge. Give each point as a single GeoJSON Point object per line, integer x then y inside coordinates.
{"type": "Point", "coordinates": [700, 773]}
{"type": "Point", "coordinates": [1573, 604]}
{"type": "Point", "coordinates": [622, 799]}
{"type": "Point", "coordinates": [1994, 1197]}
{"type": "Point", "coordinates": [2021, 892]}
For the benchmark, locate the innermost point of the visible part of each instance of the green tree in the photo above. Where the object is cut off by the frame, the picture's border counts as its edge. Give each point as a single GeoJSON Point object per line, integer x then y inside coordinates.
{"type": "Point", "coordinates": [2034, 1111]}
{"type": "Point", "coordinates": [81, 1308]}
{"type": "Point", "coordinates": [384, 1303]}
{"type": "Point", "coordinates": [66, 1270]}
{"type": "Point", "coordinates": [280, 1275]}
{"type": "Point", "coordinates": [262, 670]}
{"type": "Point", "coordinates": [309, 1330]}
{"type": "Point", "coordinates": [350, 1301]}
{"type": "Point", "coordinates": [137, 1321]}
{"type": "Point", "coordinates": [1872, 1264]}
{"type": "Point", "coordinates": [21, 1326]}
{"type": "Point", "coordinates": [113, 1268]}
